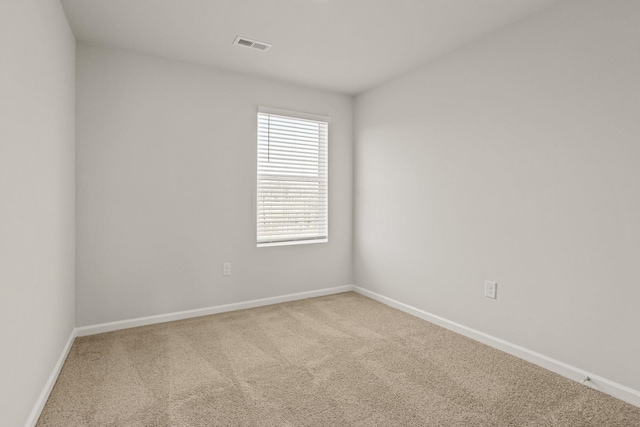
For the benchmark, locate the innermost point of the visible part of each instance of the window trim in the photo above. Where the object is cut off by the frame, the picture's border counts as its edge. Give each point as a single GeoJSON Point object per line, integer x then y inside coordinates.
{"type": "Point", "coordinates": [294, 114]}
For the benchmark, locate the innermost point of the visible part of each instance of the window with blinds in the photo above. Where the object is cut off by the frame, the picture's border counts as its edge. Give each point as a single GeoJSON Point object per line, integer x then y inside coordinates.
{"type": "Point", "coordinates": [292, 178]}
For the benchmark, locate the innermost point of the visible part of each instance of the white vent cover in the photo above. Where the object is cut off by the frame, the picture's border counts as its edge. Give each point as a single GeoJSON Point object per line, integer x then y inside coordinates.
{"type": "Point", "coordinates": [243, 41]}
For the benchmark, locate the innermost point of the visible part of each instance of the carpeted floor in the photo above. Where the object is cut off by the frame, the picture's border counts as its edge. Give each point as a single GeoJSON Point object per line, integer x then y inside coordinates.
{"type": "Point", "coordinates": [341, 360]}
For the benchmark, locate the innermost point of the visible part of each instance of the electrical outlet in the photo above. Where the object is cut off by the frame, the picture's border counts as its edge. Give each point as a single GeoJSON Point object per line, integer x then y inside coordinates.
{"type": "Point", "coordinates": [226, 269]}
{"type": "Point", "coordinates": [490, 289]}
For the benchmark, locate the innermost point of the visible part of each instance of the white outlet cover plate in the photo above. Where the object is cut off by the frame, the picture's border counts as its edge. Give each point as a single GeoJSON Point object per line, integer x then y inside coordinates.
{"type": "Point", "coordinates": [490, 289]}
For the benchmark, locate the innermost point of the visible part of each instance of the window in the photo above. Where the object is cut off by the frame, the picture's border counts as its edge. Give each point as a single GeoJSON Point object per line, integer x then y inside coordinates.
{"type": "Point", "coordinates": [292, 178]}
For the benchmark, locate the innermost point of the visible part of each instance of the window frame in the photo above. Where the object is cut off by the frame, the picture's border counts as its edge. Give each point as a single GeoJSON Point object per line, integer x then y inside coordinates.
{"type": "Point", "coordinates": [288, 114]}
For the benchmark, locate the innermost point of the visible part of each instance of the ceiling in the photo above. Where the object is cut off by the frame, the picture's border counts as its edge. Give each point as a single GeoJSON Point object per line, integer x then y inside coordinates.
{"type": "Point", "coordinates": [346, 46]}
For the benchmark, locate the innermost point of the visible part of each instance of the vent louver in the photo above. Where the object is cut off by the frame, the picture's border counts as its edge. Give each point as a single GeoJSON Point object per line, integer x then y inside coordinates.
{"type": "Point", "coordinates": [254, 44]}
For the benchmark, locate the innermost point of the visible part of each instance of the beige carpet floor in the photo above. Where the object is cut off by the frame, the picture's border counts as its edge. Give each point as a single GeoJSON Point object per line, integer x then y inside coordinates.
{"type": "Point", "coordinates": [341, 360]}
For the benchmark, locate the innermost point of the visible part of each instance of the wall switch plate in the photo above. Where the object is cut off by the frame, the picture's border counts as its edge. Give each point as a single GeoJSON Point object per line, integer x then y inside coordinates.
{"type": "Point", "coordinates": [490, 289]}
{"type": "Point", "coordinates": [226, 269]}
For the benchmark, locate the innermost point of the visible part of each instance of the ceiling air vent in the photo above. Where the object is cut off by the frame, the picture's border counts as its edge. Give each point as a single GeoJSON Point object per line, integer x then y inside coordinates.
{"type": "Point", "coordinates": [243, 41]}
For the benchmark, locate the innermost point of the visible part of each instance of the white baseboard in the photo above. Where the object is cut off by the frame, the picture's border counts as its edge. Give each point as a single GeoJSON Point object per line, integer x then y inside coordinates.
{"type": "Point", "coordinates": [46, 391]}
{"type": "Point", "coordinates": [180, 315]}
{"type": "Point", "coordinates": [597, 382]}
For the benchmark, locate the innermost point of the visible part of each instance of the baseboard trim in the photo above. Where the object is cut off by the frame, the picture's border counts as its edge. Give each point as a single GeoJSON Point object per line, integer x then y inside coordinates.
{"type": "Point", "coordinates": [180, 315]}
{"type": "Point", "coordinates": [46, 391]}
{"type": "Point", "coordinates": [597, 382]}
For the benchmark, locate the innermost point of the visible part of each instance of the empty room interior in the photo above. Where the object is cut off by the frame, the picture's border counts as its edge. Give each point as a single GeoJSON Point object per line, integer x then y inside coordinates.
{"type": "Point", "coordinates": [320, 213]}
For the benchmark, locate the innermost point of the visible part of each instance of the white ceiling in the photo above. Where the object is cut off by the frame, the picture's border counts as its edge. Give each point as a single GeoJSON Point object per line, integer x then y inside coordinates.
{"type": "Point", "coordinates": [346, 46]}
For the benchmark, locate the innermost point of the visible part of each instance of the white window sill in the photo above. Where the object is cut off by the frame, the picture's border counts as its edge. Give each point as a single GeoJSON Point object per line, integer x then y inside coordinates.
{"type": "Point", "coordinates": [293, 242]}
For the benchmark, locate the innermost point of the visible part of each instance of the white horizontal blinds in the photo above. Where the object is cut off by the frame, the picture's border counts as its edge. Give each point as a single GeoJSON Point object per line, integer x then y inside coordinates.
{"type": "Point", "coordinates": [292, 178]}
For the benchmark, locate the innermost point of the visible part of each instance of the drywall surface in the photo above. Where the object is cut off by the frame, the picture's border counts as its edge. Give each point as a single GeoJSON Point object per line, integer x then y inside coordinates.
{"type": "Point", "coordinates": [515, 160]}
{"type": "Point", "coordinates": [166, 178]}
{"type": "Point", "coordinates": [37, 194]}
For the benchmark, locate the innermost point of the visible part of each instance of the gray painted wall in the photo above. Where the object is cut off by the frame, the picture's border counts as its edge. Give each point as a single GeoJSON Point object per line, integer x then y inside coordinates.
{"type": "Point", "coordinates": [514, 160]}
{"type": "Point", "coordinates": [166, 171]}
{"type": "Point", "coordinates": [37, 192]}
